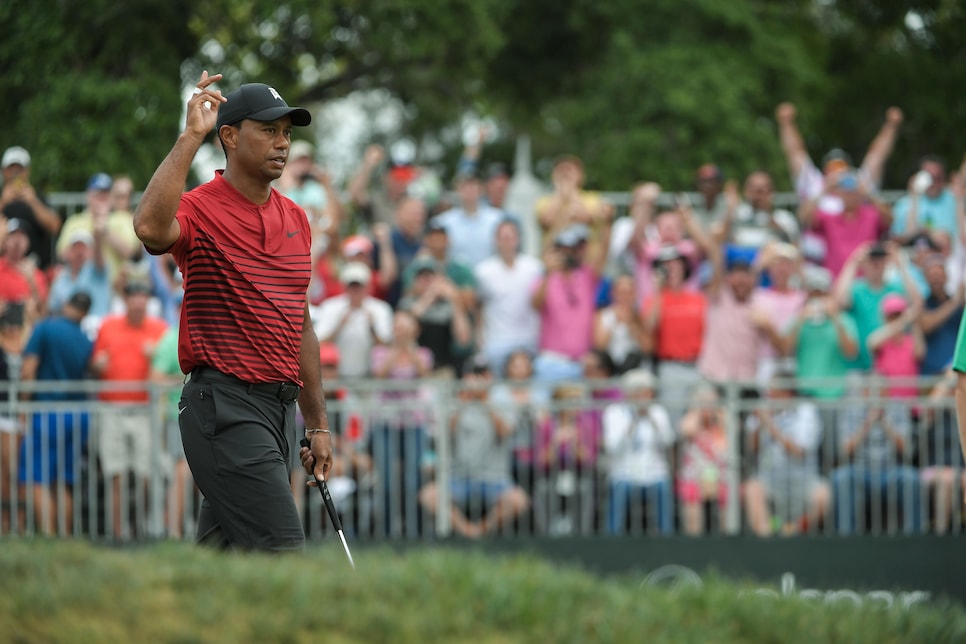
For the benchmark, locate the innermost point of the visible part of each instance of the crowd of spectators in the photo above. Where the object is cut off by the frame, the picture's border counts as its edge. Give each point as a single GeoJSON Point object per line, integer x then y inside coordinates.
{"type": "Point", "coordinates": [595, 369]}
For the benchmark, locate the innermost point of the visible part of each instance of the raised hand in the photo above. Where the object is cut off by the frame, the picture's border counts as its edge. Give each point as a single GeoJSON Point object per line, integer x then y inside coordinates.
{"type": "Point", "coordinates": [785, 113]}
{"type": "Point", "coordinates": [203, 105]}
{"type": "Point", "coordinates": [647, 192]}
{"type": "Point", "coordinates": [373, 155]}
{"type": "Point", "coordinates": [894, 115]}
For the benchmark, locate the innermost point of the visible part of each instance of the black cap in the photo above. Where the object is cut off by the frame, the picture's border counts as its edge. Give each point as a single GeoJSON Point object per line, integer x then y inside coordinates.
{"type": "Point", "coordinates": [497, 169]}
{"type": "Point", "coordinates": [424, 264]}
{"type": "Point", "coordinates": [469, 174]}
{"type": "Point", "coordinates": [837, 154]}
{"type": "Point", "coordinates": [878, 250]}
{"type": "Point", "coordinates": [134, 286]}
{"type": "Point", "coordinates": [81, 301]}
{"type": "Point", "coordinates": [259, 102]}
{"type": "Point", "coordinates": [477, 364]}
{"type": "Point", "coordinates": [434, 225]}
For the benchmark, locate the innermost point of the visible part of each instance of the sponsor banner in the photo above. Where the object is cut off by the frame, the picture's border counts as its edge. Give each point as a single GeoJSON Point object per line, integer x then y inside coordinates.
{"type": "Point", "coordinates": [886, 571]}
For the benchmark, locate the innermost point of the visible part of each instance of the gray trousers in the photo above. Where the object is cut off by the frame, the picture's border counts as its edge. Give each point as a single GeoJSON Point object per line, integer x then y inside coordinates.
{"type": "Point", "coordinates": [236, 442]}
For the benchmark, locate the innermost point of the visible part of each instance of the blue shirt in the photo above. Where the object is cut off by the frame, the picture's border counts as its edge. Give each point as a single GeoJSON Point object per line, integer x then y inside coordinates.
{"type": "Point", "coordinates": [472, 238]}
{"type": "Point", "coordinates": [91, 280]}
{"type": "Point", "coordinates": [63, 351]}
{"type": "Point", "coordinates": [405, 250]}
{"type": "Point", "coordinates": [941, 342]}
{"type": "Point", "coordinates": [938, 213]}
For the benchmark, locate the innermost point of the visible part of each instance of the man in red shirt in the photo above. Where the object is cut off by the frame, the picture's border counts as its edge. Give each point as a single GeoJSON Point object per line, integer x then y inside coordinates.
{"type": "Point", "coordinates": [122, 353]}
{"type": "Point", "coordinates": [246, 336]}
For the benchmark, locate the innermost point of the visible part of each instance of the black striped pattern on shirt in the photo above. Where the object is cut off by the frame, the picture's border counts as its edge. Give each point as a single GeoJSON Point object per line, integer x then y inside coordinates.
{"type": "Point", "coordinates": [244, 313]}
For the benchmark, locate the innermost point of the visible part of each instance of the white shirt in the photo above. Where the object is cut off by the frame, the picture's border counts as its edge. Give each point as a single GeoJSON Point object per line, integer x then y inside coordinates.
{"type": "Point", "coordinates": [354, 339]}
{"type": "Point", "coordinates": [751, 228]}
{"type": "Point", "coordinates": [504, 292]}
{"type": "Point", "coordinates": [802, 425]}
{"type": "Point", "coordinates": [636, 443]}
{"type": "Point", "coordinates": [622, 342]}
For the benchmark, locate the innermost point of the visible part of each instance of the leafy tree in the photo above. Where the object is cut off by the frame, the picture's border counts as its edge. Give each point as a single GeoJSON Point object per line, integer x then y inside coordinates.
{"type": "Point", "coordinates": [430, 54]}
{"type": "Point", "coordinates": [92, 85]}
{"type": "Point", "coordinates": [678, 83]}
{"type": "Point", "coordinates": [909, 54]}
{"type": "Point", "coordinates": [640, 90]}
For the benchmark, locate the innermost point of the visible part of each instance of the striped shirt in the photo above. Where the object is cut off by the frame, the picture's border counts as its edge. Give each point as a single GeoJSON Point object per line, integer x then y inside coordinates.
{"type": "Point", "coordinates": [246, 271]}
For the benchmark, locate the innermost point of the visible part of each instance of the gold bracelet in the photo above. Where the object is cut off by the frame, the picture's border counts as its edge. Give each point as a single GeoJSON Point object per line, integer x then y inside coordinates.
{"type": "Point", "coordinates": [317, 431]}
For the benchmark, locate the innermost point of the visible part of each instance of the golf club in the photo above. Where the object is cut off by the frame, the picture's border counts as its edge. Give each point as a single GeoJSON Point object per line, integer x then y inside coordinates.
{"type": "Point", "coordinates": [330, 507]}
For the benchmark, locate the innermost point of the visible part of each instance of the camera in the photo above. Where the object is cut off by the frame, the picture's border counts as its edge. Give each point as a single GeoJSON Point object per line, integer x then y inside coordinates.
{"type": "Point", "coordinates": [815, 310]}
{"type": "Point", "coordinates": [921, 182]}
{"type": "Point", "coordinates": [12, 314]}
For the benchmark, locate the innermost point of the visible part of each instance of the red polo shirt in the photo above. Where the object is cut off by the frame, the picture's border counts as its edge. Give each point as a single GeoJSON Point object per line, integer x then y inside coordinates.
{"type": "Point", "coordinates": [14, 286]}
{"type": "Point", "coordinates": [246, 270]}
{"type": "Point", "coordinates": [680, 327]}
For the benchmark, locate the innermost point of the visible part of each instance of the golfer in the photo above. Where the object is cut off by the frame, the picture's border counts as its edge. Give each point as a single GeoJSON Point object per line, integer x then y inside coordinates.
{"type": "Point", "coordinates": [246, 339]}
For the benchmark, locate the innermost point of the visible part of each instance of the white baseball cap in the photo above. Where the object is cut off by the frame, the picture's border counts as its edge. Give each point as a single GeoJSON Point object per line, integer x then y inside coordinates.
{"type": "Point", "coordinates": [82, 236]}
{"type": "Point", "coordinates": [15, 155]}
{"type": "Point", "coordinates": [299, 149]}
{"type": "Point", "coordinates": [355, 273]}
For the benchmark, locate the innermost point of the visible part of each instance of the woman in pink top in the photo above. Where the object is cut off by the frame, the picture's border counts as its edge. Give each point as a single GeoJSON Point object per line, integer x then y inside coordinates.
{"type": "Point", "coordinates": [565, 298]}
{"type": "Point", "coordinates": [654, 230]}
{"type": "Point", "coordinates": [397, 437]}
{"type": "Point", "coordinates": [779, 302]}
{"type": "Point", "coordinates": [898, 346]}
{"type": "Point", "coordinates": [567, 444]}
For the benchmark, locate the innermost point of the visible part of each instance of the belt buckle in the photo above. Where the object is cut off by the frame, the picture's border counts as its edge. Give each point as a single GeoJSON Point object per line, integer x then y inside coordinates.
{"type": "Point", "coordinates": [288, 392]}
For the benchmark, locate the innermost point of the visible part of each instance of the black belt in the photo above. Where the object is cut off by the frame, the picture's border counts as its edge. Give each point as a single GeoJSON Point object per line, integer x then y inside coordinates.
{"type": "Point", "coordinates": [284, 391]}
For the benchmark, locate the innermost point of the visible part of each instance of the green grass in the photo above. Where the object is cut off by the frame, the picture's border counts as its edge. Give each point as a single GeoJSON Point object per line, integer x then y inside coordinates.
{"type": "Point", "coordinates": [76, 592]}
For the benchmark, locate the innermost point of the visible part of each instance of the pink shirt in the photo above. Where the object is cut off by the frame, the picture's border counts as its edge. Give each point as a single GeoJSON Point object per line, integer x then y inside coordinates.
{"type": "Point", "coordinates": [731, 342]}
{"type": "Point", "coordinates": [896, 358]}
{"type": "Point", "coordinates": [781, 308]}
{"type": "Point", "coordinates": [843, 233]}
{"type": "Point", "coordinates": [579, 449]}
{"type": "Point", "coordinates": [567, 317]}
{"type": "Point", "coordinates": [413, 398]}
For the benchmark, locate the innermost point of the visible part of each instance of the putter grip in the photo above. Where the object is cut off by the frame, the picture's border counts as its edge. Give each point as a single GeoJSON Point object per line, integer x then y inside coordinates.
{"type": "Point", "coordinates": [326, 497]}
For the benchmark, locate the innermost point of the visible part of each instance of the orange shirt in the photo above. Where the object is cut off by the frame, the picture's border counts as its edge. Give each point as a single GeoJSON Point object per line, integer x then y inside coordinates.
{"type": "Point", "coordinates": [127, 348]}
{"type": "Point", "coordinates": [680, 327]}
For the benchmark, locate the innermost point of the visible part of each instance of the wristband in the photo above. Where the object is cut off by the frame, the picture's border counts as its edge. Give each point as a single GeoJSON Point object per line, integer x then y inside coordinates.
{"type": "Point", "coordinates": [317, 431]}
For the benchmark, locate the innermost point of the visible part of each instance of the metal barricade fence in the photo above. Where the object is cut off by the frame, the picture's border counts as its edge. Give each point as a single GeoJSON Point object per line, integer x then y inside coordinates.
{"type": "Point", "coordinates": [430, 459]}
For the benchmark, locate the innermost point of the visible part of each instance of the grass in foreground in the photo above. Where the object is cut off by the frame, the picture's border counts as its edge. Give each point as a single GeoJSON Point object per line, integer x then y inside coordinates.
{"type": "Point", "coordinates": [73, 591]}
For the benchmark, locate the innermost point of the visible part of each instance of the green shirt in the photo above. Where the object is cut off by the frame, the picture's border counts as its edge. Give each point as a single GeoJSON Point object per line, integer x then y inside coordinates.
{"type": "Point", "coordinates": [165, 361]}
{"type": "Point", "coordinates": [867, 311]}
{"type": "Point", "coordinates": [459, 274]}
{"type": "Point", "coordinates": [820, 356]}
{"type": "Point", "coordinates": [959, 354]}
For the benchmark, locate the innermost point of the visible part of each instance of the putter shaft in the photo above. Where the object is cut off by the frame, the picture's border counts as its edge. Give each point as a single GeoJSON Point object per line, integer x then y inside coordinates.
{"type": "Point", "coordinates": [330, 508]}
